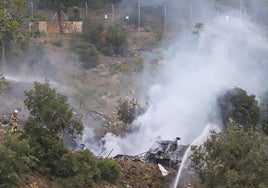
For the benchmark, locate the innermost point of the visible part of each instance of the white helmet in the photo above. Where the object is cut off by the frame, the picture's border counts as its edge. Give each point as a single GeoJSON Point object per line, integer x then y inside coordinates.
{"type": "Point", "coordinates": [16, 111]}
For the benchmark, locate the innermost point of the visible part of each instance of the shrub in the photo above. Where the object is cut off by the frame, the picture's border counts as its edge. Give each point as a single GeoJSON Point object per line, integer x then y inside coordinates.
{"type": "Point", "coordinates": [57, 43]}
{"type": "Point", "coordinates": [116, 37]}
{"type": "Point", "coordinates": [112, 40]}
{"type": "Point", "coordinates": [110, 170]}
{"type": "Point", "coordinates": [14, 161]}
{"type": "Point", "coordinates": [3, 82]}
{"type": "Point", "coordinates": [76, 15]}
{"type": "Point", "coordinates": [128, 110]}
{"type": "Point", "coordinates": [235, 104]}
{"type": "Point", "coordinates": [79, 169]}
{"type": "Point", "coordinates": [93, 33]}
{"type": "Point", "coordinates": [138, 64]}
{"type": "Point", "coordinates": [66, 166]}
{"type": "Point", "coordinates": [118, 67]}
{"type": "Point", "coordinates": [88, 54]}
{"type": "Point", "coordinates": [234, 158]}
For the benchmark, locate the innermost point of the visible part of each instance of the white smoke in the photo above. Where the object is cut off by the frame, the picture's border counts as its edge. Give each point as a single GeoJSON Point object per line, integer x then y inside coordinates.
{"type": "Point", "coordinates": [226, 53]}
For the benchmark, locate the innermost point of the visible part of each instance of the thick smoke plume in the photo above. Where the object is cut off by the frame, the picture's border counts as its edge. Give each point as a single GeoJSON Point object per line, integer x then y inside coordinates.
{"type": "Point", "coordinates": [229, 51]}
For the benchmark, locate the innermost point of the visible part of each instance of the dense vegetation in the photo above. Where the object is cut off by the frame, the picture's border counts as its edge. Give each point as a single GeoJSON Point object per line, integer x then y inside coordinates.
{"type": "Point", "coordinates": [39, 148]}
{"type": "Point", "coordinates": [235, 158]}
{"type": "Point", "coordinates": [238, 156]}
{"type": "Point", "coordinates": [236, 105]}
{"type": "Point", "coordinates": [12, 14]}
{"type": "Point", "coordinates": [109, 41]}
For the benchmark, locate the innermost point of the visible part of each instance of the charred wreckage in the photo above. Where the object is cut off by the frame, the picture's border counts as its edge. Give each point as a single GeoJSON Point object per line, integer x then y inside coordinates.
{"type": "Point", "coordinates": [167, 153]}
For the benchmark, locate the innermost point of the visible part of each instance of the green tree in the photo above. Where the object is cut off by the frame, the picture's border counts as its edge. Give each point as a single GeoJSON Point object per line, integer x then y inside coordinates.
{"type": "Point", "coordinates": [49, 116]}
{"type": "Point", "coordinates": [76, 15]}
{"type": "Point", "coordinates": [50, 110]}
{"type": "Point", "coordinates": [93, 33]}
{"type": "Point", "coordinates": [233, 159]}
{"type": "Point", "coordinates": [11, 14]}
{"type": "Point", "coordinates": [116, 39]}
{"type": "Point", "coordinates": [235, 104]}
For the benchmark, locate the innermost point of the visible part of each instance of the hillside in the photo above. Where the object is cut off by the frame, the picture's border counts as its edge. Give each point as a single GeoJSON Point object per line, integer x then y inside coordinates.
{"type": "Point", "coordinates": [106, 89]}
{"type": "Point", "coordinates": [125, 94]}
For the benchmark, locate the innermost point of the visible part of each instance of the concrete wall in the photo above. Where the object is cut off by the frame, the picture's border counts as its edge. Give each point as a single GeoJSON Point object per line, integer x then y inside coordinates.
{"type": "Point", "coordinates": [67, 26]}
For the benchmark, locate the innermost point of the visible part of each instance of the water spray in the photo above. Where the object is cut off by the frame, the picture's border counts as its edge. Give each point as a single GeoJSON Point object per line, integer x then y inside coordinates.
{"type": "Point", "coordinates": [197, 141]}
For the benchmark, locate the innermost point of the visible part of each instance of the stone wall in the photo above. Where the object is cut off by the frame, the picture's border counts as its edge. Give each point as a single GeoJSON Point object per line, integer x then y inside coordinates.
{"type": "Point", "coordinates": [53, 26]}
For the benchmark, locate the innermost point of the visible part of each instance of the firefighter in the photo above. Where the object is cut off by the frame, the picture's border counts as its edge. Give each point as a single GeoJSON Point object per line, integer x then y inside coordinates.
{"type": "Point", "coordinates": [174, 145]}
{"type": "Point", "coordinates": [14, 121]}
{"type": "Point", "coordinates": [82, 146]}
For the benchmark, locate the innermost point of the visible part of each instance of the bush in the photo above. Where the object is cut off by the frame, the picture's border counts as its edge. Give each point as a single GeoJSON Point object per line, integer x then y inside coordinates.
{"type": "Point", "coordinates": [14, 161]}
{"type": "Point", "coordinates": [235, 104]}
{"type": "Point", "coordinates": [118, 67]}
{"type": "Point", "coordinates": [93, 33]}
{"type": "Point", "coordinates": [66, 166]}
{"type": "Point", "coordinates": [76, 15]}
{"type": "Point", "coordinates": [110, 170]}
{"type": "Point", "coordinates": [88, 54]}
{"type": "Point", "coordinates": [128, 110]}
{"type": "Point", "coordinates": [112, 40]}
{"type": "Point", "coordinates": [138, 64]}
{"type": "Point", "coordinates": [3, 82]}
{"type": "Point", "coordinates": [116, 37]}
{"type": "Point", "coordinates": [57, 43]}
{"type": "Point", "coordinates": [79, 169]}
{"type": "Point", "coordinates": [235, 158]}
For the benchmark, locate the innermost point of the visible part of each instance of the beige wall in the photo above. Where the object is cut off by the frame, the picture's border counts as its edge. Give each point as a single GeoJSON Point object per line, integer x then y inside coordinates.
{"type": "Point", "coordinates": [67, 26]}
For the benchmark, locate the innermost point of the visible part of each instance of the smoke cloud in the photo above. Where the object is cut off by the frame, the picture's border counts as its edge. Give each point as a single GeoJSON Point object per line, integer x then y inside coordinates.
{"type": "Point", "coordinates": [227, 52]}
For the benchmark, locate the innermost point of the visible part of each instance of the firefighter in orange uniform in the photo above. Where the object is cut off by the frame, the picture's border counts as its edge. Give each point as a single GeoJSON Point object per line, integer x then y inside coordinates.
{"type": "Point", "coordinates": [14, 121]}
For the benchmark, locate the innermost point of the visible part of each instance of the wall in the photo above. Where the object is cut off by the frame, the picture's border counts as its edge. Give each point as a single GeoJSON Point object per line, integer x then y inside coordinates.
{"type": "Point", "coordinates": [67, 26]}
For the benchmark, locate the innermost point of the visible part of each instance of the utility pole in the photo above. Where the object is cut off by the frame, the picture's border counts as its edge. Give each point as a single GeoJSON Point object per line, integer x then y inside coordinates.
{"type": "Point", "coordinates": [31, 10]}
{"type": "Point", "coordinates": [191, 14]}
{"type": "Point", "coordinates": [139, 16]}
{"type": "Point", "coordinates": [241, 8]}
{"type": "Point", "coordinates": [112, 13]}
{"type": "Point", "coordinates": [86, 8]}
{"type": "Point", "coordinates": [165, 17]}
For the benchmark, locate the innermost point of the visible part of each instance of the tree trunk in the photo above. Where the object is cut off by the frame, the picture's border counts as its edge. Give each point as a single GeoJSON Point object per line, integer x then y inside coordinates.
{"type": "Point", "coordinates": [3, 52]}
{"type": "Point", "coordinates": [59, 19]}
